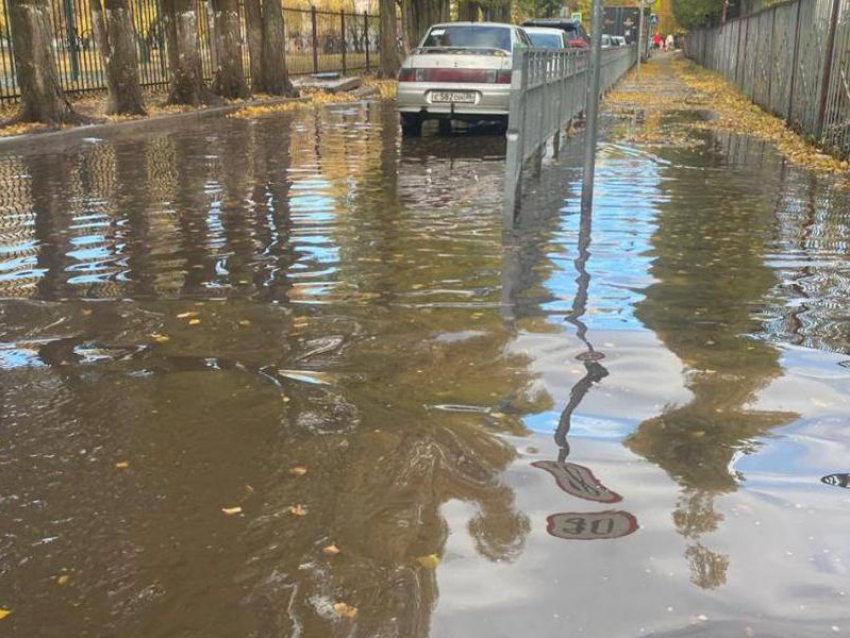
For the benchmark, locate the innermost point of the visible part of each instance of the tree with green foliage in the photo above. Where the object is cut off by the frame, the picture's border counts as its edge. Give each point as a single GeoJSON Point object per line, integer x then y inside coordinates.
{"type": "Point", "coordinates": [691, 14]}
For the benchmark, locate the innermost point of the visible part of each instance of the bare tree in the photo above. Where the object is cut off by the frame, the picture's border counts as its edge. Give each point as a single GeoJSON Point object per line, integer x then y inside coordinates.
{"type": "Point", "coordinates": [113, 32]}
{"type": "Point", "coordinates": [229, 75]}
{"type": "Point", "coordinates": [266, 46]}
{"type": "Point", "coordinates": [389, 57]}
{"type": "Point", "coordinates": [42, 97]}
{"type": "Point", "coordinates": [184, 58]}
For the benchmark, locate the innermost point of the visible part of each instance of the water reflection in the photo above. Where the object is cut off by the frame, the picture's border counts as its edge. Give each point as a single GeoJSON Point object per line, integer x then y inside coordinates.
{"type": "Point", "coordinates": [187, 317]}
{"type": "Point", "coordinates": [713, 288]}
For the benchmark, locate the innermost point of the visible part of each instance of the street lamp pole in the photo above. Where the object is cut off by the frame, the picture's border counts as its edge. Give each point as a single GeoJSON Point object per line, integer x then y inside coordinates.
{"type": "Point", "coordinates": [592, 106]}
{"type": "Point", "coordinates": [640, 39]}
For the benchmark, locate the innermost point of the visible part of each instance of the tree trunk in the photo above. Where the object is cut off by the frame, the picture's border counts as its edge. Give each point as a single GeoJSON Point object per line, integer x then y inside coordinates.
{"type": "Point", "coordinates": [113, 33]}
{"type": "Point", "coordinates": [389, 37]}
{"type": "Point", "coordinates": [229, 75]}
{"type": "Point", "coordinates": [254, 22]}
{"type": "Point", "coordinates": [467, 11]}
{"type": "Point", "coordinates": [42, 97]}
{"type": "Point", "coordinates": [275, 75]}
{"type": "Point", "coordinates": [184, 59]}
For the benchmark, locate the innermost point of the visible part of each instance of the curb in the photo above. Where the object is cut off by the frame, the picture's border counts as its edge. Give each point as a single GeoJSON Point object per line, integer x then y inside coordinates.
{"type": "Point", "coordinates": [55, 140]}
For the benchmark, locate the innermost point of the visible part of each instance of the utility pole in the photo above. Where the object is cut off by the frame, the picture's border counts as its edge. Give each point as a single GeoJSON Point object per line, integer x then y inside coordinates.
{"type": "Point", "coordinates": [592, 106]}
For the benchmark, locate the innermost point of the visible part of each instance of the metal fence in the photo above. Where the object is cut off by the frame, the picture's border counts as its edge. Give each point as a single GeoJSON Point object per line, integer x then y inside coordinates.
{"type": "Point", "coordinates": [548, 89]}
{"type": "Point", "coordinates": [316, 41]}
{"type": "Point", "coordinates": [793, 60]}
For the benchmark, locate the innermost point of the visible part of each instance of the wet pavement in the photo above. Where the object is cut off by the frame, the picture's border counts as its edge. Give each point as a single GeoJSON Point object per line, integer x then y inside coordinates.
{"type": "Point", "coordinates": [631, 424]}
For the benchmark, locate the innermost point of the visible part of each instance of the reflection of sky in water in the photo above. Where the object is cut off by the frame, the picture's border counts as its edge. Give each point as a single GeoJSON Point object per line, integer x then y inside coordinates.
{"type": "Point", "coordinates": [625, 203]}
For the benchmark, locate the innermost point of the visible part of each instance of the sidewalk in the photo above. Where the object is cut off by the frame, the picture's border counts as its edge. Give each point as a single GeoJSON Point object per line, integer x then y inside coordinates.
{"type": "Point", "coordinates": [670, 83]}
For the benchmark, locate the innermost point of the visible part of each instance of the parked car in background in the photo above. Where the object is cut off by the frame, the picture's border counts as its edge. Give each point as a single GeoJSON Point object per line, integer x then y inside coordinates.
{"type": "Point", "coordinates": [460, 71]}
{"type": "Point", "coordinates": [547, 38]}
{"type": "Point", "coordinates": [576, 35]}
{"type": "Point", "coordinates": [619, 39]}
{"type": "Point", "coordinates": [606, 41]}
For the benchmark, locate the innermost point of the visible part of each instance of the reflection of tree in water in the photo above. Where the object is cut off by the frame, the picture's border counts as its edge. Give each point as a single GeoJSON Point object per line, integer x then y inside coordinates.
{"type": "Point", "coordinates": [376, 491]}
{"type": "Point", "coordinates": [709, 266]}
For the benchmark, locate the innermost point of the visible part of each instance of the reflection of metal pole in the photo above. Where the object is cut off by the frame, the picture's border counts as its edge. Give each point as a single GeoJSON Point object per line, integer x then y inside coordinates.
{"type": "Point", "coordinates": [71, 35]}
{"type": "Point", "coordinates": [595, 371]}
{"type": "Point", "coordinates": [592, 106]}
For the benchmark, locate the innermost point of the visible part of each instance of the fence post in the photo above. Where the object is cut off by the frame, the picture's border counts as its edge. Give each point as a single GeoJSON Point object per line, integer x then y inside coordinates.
{"type": "Point", "coordinates": [796, 60]}
{"type": "Point", "coordinates": [827, 69]}
{"type": "Point", "coordinates": [315, 40]}
{"type": "Point", "coordinates": [366, 38]}
{"type": "Point", "coordinates": [771, 63]}
{"type": "Point", "coordinates": [342, 27]}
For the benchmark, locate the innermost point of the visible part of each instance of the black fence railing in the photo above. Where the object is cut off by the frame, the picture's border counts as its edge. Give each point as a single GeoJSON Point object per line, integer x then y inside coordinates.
{"type": "Point", "coordinates": [316, 41]}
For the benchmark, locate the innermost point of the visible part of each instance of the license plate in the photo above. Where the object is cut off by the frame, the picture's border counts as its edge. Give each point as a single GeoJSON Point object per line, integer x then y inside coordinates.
{"type": "Point", "coordinates": [464, 97]}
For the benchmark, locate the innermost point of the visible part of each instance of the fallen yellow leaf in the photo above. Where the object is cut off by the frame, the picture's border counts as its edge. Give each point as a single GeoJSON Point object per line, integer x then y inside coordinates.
{"type": "Point", "coordinates": [298, 470]}
{"type": "Point", "coordinates": [194, 322]}
{"type": "Point", "coordinates": [63, 579]}
{"type": "Point", "coordinates": [429, 562]}
{"type": "Point", "coordinates": [297, 510]}
{"type": "Point", "coordinates": [345, 610]}
{"type": "Point", "coordinates": [159, 338]}
{"type": "Point", "coordinates": [184, 315]}
{"type": "Point", "coordinates": [331, 550]}
{"type": "Point", "coordinates": [122, 465]}
{"type": "Point", "coordinates": [232, 511]}
{"type": "Point", "coordinates": [244, 322]}
{"type": "Point", "coordinates": [4, 613]}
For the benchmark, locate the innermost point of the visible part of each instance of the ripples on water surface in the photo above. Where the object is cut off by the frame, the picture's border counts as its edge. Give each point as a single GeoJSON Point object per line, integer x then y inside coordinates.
{"type": "Point", "coordinates": [216, 306]}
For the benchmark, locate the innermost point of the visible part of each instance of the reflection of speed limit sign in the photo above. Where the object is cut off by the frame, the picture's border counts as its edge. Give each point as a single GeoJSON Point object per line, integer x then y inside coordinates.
{"type": "Point", "coordinates": [587, 526]}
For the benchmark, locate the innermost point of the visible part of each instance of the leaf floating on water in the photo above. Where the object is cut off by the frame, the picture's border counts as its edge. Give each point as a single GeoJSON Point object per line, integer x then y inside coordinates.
{"type": "Point", "coordinates": [232, 511]}
{"type": "Point", "coordinates": [194, 322]}
{"type": "Point", "coordinates": [297, 510]}
{"type": "Point", "coordinates": [186, 315]}
{"type": "Point", "coordinates": [429, 562]}
{"type": "Point", "coordinates": [331, 550]}
{"type": "Point", "coordinates": [298, 470]}
{"type": "Point", "coordinates": [4, 613]}
{"type": "Point", "coordinates": [345, 610]}
{"type": "Point", "coordinates": [63, 579]}
{"type": "Point", "coordinates": [160, 338]}
{"type": "Point", "coordinates": [122, 465]}
{"type": "Point", "coordinates": [244, 322]}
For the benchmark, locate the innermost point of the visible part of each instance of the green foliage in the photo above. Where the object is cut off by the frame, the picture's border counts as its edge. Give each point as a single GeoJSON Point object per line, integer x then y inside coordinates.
{"type": "Point", "coordinates": [691, 14]}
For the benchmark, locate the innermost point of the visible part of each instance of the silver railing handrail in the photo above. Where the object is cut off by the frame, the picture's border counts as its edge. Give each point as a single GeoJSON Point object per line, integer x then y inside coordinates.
{"type": "Point", "coordinates": [548, 90]}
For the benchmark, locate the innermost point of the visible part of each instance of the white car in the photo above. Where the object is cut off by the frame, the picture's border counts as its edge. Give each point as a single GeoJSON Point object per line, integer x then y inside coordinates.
{"type": "Point", "coordinates": [619, 40]}
{"type": "Point", "coordinates": [460, 71]}
{"type": "Point", "coordinates": [547, 38]}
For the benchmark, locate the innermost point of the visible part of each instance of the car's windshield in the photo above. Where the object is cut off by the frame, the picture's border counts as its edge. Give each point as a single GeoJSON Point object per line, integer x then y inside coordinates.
{"type": "Point", "coordinates": [546, 40]}
{"type": "Point", "coordinates": [469, 37]}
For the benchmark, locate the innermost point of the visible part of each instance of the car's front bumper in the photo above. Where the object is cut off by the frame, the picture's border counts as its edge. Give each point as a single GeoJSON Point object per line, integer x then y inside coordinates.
{"type": "Point", "coordinates": [491, 100]}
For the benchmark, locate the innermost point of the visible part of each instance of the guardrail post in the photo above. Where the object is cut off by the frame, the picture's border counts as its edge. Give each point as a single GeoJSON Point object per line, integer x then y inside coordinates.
{"type": "Point", "coordinates": [515, 156]}
{"type": "Point", "coordinates": [315, 40]}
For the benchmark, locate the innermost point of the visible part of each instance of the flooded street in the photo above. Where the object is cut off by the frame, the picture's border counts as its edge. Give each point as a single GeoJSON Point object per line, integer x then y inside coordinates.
{"type": "Point", "coordinates": [608, 428]}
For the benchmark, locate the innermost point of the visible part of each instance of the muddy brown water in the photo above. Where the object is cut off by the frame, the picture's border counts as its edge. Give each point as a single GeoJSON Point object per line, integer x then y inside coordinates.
{"type": "Point", "coordinates": [605, 427]}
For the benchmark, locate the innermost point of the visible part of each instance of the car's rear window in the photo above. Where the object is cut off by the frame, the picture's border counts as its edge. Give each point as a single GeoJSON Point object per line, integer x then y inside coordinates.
{"type": "Point", "coordinates": [546, 40]}
{"type": "Point", "coordinates": [469, 37]}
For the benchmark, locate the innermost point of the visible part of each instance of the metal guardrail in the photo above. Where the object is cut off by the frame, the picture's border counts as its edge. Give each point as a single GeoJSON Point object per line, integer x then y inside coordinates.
{"type": "Point", "coordinates": [548, 89]}
{"type": "Point", "coordinates": [793, 60]}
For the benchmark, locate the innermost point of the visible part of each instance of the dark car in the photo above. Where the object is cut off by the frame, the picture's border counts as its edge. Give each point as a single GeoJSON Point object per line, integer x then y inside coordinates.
{"type": "Point", "coordinates": [576, 35]}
